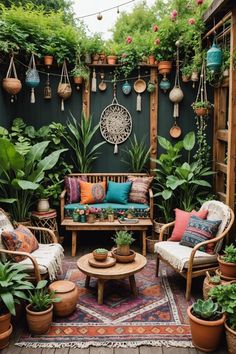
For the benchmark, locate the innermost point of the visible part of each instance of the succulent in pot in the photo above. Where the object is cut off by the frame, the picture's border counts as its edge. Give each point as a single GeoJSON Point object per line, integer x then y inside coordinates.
{"type": "Point", "coordinates": [227, 262]}
{"type": "Point", "coordinates": [100, 254]}
{"type": "Point", "coordinates": [206, 324]}
{"type": "Point", "coordinates": [123, 240]}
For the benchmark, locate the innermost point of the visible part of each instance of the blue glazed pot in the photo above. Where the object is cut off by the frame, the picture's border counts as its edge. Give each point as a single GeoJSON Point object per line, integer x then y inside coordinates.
{"type": "Point", "coordinates": [165, 84]}
{"type": "Point", "coordinates": [32, 78]}
{"type": "Point", "coordinates": [214, 57]}
{"type": "Point", "coordinates": [126, 88]}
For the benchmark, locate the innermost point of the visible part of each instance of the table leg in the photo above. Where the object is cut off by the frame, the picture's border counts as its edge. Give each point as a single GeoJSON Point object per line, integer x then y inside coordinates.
{"type": "Point", "coordinates": [144, 250]}
{"type": "Point", "coordinates": [133, 285]}
{"type": "Point", "coordinates": [100, 291]}
{"type": "Point", "coordinates": [87, 281]}
{"type": "Point", "coordinates": [73, 246]}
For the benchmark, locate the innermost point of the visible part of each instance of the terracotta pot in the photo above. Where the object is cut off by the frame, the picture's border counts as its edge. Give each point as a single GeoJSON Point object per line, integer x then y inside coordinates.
{"type": "Point", "coordinates": [4, 337]}
{"type": "Point", "coordinates": [164, 67]}
{"type": "Point", "coordinates": [48, 60]}
{"type": "Point", "coordinates": [95, 58]}
{"type": "Point", "coordinates": [39, 322]}
{"type": "Point", "coordinates": [5, 322]}
{"type": "Point", "coordinates": [123, 250]}
{"type": "Point", "coordinates": [227, 269]}
{"type": "Point", "coordinates": [186, 78]}
{"type": "Point", "coordinates": [151, 59]}
{"type": "Point", "coordinates": [123, 258]}
{"type": "Point", "coordinates": [230, 339]}
{"type": "Point", "coordinates": [102, 58]}
{"type": "Point", "coordinates": [111, 59]}
{"type": "Point", "coordinates": [78, 80]}
{"type": "Point", "coordinates": [100, 256]}
{"type": "Point", "coordinates": [68, 293]}
{"type": "Point", "coordinates": [201, 111]}
{"type": "Point", "coordinates": [110, 217]}
{"type": "Point", "coordinates": [43, 205]}
{"type": "Point", "coordinates": [206, 335]}
{"type": "Point", "coordinates": [11, 85]}
{"type": "Point", "coordinates": [91, 218]}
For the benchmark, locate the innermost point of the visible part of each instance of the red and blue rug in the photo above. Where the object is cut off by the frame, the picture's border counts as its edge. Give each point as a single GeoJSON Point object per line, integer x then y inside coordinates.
{"type": "Point", "coordinates": [156, 317]}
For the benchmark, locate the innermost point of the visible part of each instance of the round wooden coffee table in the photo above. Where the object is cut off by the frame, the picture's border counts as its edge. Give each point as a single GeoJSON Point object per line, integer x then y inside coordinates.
{"type": "Point", "coordinates": [118, 271]}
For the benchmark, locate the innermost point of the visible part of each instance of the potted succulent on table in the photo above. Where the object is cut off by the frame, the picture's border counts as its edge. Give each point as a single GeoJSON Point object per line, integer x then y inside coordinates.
{"type": "Point", "coordinates": [207, 324]}
{"type": "Point", "coordinates": [123, 240]}
{"type": "Point", "coordinates": [39, 311]}
{"type": "Point", "coordinates": [12, 289]}
{"type": "Point", "coordinates": [110, 214]}
{"type": "Point", "coordinates": [225, 296]}
{"type": "Point", "coordinates": [227, 262]}
{"type": "Point", "coordinates": [100, 254]}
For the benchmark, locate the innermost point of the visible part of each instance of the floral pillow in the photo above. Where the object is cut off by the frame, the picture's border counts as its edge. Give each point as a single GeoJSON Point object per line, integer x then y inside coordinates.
{"type": "Point", "coordinates": [139, 189]}
{"type": "Point", "coordinates": [20, 239]}
{"type": "Point", "coordinates": [91, 193]}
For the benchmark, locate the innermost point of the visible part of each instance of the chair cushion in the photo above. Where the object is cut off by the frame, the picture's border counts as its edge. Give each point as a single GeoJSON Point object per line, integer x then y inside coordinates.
{"type": "Point", "coordinates": [199, 230]}
{"type": "Point", "coordinates": [178, 255]}
{"type": "Point", "coordinates": [5, 224]}
{"type": "Point", "coordinates": [181, 221]}
{"type": "Point", "coordinates": [92, 192]}
{"type": "Point", "coordinates": [20, 239]}
{"type": "Point", "coordinates": [49, 258]}
{"type": "Point", "coordinates": [139, 189]}
{"type": "Point", "coordinates": [118, 192]}
{"type": "Point", "coordinates": [72, 187]}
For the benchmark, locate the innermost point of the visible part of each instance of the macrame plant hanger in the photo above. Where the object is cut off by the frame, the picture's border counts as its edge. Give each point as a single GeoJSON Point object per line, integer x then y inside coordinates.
{"type": "Point", "coordinates": [115, 122]}
{"type": "Point", "coordinates": [32, 77]}
{"type": "Point", "coordinates": [12, 84]}
{"type": "Point", "coordinates": [64, 88]}
{"type": "Point", "coordinates": [202, 90]}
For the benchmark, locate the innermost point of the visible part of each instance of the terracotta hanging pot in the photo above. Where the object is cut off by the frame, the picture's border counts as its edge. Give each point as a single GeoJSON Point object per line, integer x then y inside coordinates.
{"type": "Point", "coordinates": [201, 112]}
{"type": "Point", "coordinates": [11, 85]}
{"type": "Point", "coordinates": [48, 60]}
{"type": "Point", "coordinates": [78, 80]}
{"type": "Point", "coordinates": [164, 67]}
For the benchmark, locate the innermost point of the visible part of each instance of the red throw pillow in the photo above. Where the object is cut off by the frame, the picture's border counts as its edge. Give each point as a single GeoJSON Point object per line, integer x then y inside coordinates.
{"type": "Point", "coordinates": [20, 239]}
{"type": "Point", "coordinates": [181, 221]}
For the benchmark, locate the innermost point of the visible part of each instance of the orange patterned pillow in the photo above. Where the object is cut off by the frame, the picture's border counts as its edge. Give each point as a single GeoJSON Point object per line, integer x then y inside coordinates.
{"type": "Point", "coordinates": [91, 193]}
{"type": "Point", "coordinates": [20, 239]}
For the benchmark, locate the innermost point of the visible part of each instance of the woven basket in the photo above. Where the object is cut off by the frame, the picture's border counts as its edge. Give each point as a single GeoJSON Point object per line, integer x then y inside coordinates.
{"type": "Point", "coordinates": [207, 285]}
{"type": "Point", "coordinates": [157, 227]}
{"type": "Point", "coordinates": [230, 339]}
{"type": "Point", "coordinates": [150, 242]}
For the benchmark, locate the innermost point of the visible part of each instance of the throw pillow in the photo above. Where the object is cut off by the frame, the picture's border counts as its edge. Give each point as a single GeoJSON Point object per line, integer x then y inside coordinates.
{"type": "Point", "coordinates": [181, 221]}
{"type": "Point", "coordinates": [199, 230]}
{"type": "Point", "coordinates": [91, 193]}
{"type": "Point", "coordinates": [21, 239]}
{"type": "Point", "coordinates": [5, 224]}
{"type": "Point", "coordinates": [72, 187]}
{"type": "Point", "coordinates": [118, 192]}
{"type": "Point", "coordinates": [139, 189]}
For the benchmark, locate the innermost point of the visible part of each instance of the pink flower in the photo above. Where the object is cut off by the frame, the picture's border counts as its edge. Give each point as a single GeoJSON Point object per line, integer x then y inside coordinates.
{"type": "Point", "coordinates": [129, 40]}
{"type": "Point", "coordinates": [174, 13]}
{"type": "Point", "coordinates": [199, 2]}
{"type": "Point", "coordinates": [155, 28]}
{"type": "Point", "coordinates": [157, 41]}
{"type": "Point", "coordinates": [81, 212]}
{"type": "Point", "coordinates": [191, 21]}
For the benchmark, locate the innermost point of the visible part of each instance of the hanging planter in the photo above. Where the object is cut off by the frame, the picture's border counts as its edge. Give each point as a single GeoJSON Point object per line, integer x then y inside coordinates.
{"type": "Point", "coordinates": [164, 67]}
{"type": "Point", "coordinates": [165, 84]}
{"type": "Point", "coordinates": [32, 78]}
{"type": "Point", "coordinates": [214, 58]}
{"type": "Point", "coordinates": [12, 85]}
{"type": "Point", "coordinates": [48, 60]}
{"type": "Point", "coordinates": [64, 87]}
{"type": "Point", "coordinates": [202, 106]}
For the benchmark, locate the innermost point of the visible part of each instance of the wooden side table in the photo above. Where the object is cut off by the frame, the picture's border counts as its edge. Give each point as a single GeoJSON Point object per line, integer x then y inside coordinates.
{"type": "Point", "coordinates": [46, 219]}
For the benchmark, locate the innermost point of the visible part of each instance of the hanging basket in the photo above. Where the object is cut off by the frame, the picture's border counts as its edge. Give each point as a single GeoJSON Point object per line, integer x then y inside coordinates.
{"type": "Point", "coordinates": [164, 67]}
{"type": "Point", "coordinates": [11, 85]}
{"type": "Point", "coordinates": [201, 112]}
{"type": "Point", "coordinates": [64, 87]}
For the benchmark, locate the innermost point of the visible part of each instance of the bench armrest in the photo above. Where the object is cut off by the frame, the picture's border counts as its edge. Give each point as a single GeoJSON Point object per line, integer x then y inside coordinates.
{"type": "Point", "coordinates": [62, 204]}
{"type": "Point", "coordinates": [151, 202]}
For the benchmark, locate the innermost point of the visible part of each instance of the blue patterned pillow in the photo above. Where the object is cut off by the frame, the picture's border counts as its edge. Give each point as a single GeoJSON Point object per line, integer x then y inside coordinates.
{"type": "Point", "coordinates": [199, 230]}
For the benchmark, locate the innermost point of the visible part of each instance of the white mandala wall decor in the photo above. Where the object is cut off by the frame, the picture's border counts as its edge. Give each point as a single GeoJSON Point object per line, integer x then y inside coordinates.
{"type": "Point", "coordinates": [115, 124]}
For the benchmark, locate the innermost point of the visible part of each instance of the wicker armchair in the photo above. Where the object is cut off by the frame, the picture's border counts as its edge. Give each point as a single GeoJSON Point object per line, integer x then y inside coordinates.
{"type": "Point", "coordinates": [42, 263]}
{"type": "Point", "coordinates": [191, 262]}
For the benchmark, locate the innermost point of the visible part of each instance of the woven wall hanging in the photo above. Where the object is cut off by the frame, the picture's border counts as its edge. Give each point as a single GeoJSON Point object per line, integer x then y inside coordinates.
{"type": "Point", "coordinates": [115, 123]}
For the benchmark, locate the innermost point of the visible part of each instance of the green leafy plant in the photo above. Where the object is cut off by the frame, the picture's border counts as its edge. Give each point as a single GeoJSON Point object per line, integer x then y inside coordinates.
{"type": "Point", "coordinates": [101, 250]}
{"type": "Point", "coordinates": [201, 104]}
{"type": "Point", "coordinates": [206, 310]}
{"type": "Point", "coordinates": [40, 298]}
{"type": "Point", "coordinates": [187, 70]}
{"type": "Point", "coordinates": [123, 237]}
{"type": "Point", "coordinates": [109, 210]}
{"type": "Point", "coordinates": [82, 71]}
{"type": "Point", "coordinates": [137, 154]}
{"type": "Point", "coordinates": [20, 175]}
{"type": "Point", "coordinates": [79, 138]}
{"type": "Point", "coordinates": [229, 254]}
{"type": "Point", "coordinates": [13, 286]}
{"type": "Point", "coordinates": [225, 296]}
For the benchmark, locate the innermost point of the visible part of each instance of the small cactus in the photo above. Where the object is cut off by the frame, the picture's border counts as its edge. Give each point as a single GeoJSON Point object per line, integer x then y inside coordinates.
{"type": "Point", "coordinates": [101, 250]}
{"type": "Point", "coordinates": [206, 309]}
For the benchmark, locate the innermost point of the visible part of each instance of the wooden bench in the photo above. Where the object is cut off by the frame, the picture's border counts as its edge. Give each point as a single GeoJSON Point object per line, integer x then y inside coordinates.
{"type": "Point", "coordinates": [75, 227]}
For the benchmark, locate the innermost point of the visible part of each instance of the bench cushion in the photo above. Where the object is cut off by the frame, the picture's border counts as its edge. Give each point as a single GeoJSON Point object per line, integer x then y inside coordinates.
{"type": "Point", "coordinates": [141, 210]}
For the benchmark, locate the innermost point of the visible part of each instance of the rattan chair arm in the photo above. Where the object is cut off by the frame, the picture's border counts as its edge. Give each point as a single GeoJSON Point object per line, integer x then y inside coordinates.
{"type": "Point", "coordinates": [51, 239]}
{"type": "Point", "coordinates": [163, 228]}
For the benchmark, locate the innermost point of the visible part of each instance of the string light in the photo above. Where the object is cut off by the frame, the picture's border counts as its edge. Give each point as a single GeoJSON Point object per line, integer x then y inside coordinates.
{"type": "Point", "coordinates": [99, 14]}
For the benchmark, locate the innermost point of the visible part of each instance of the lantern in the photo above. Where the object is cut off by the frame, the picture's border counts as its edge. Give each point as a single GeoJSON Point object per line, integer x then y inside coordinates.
{"type": "Point", "coordinates": [126, 88]}
{"type": "Point", "coordinates": [214, 57]}
{"type": "Point", "coordinates": [165, 84]}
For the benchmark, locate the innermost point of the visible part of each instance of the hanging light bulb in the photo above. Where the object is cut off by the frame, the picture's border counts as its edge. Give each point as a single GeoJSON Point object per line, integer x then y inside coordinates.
{"type": "Point", "coordinates": [99, 16]}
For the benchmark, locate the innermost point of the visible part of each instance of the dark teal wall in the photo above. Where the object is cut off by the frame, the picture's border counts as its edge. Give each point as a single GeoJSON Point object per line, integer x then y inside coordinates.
{"type": "Point", "coordinates": [44, 112]}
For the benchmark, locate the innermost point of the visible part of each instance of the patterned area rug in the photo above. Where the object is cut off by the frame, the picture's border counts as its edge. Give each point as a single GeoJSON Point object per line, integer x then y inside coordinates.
{"type": "Point", "coordinates": [156, 317]}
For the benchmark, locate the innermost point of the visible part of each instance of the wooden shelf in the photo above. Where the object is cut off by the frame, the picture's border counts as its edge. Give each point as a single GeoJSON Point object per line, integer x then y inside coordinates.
{"type": "Point", "coordinates": [115, 65]}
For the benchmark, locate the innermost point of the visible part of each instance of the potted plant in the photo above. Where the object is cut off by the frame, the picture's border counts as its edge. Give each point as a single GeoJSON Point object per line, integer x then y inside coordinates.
{"type": "Point", "coordinates": [201, 108]}
{"type": "Point", "coordinates": [186, 73]}
{"type": "Point", "coordinates": [227, 262]}
{"type": "Point", "coordinates": [206, 323]}
{"type": "Point", "coordinates": [48, 50]}
{"type": "Point", "coordinates": [123, 240]}
{"type": "Point", "coordinates": [225, 296]}
{"type": "Point", "coordinates": [110, 214]}
{"type": "Point", "coordinates": [100, 254]}
{"type": "Point", "coordinates": [39, 311]}
{"type": "Point", "coordinates": [12, 289]}
{"type": "Point", "coordinates": [136, 156]}
{"type": "Point", "coordinates": [80, 73]}
{"type": "Point", "coordinates": [209, 283]}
